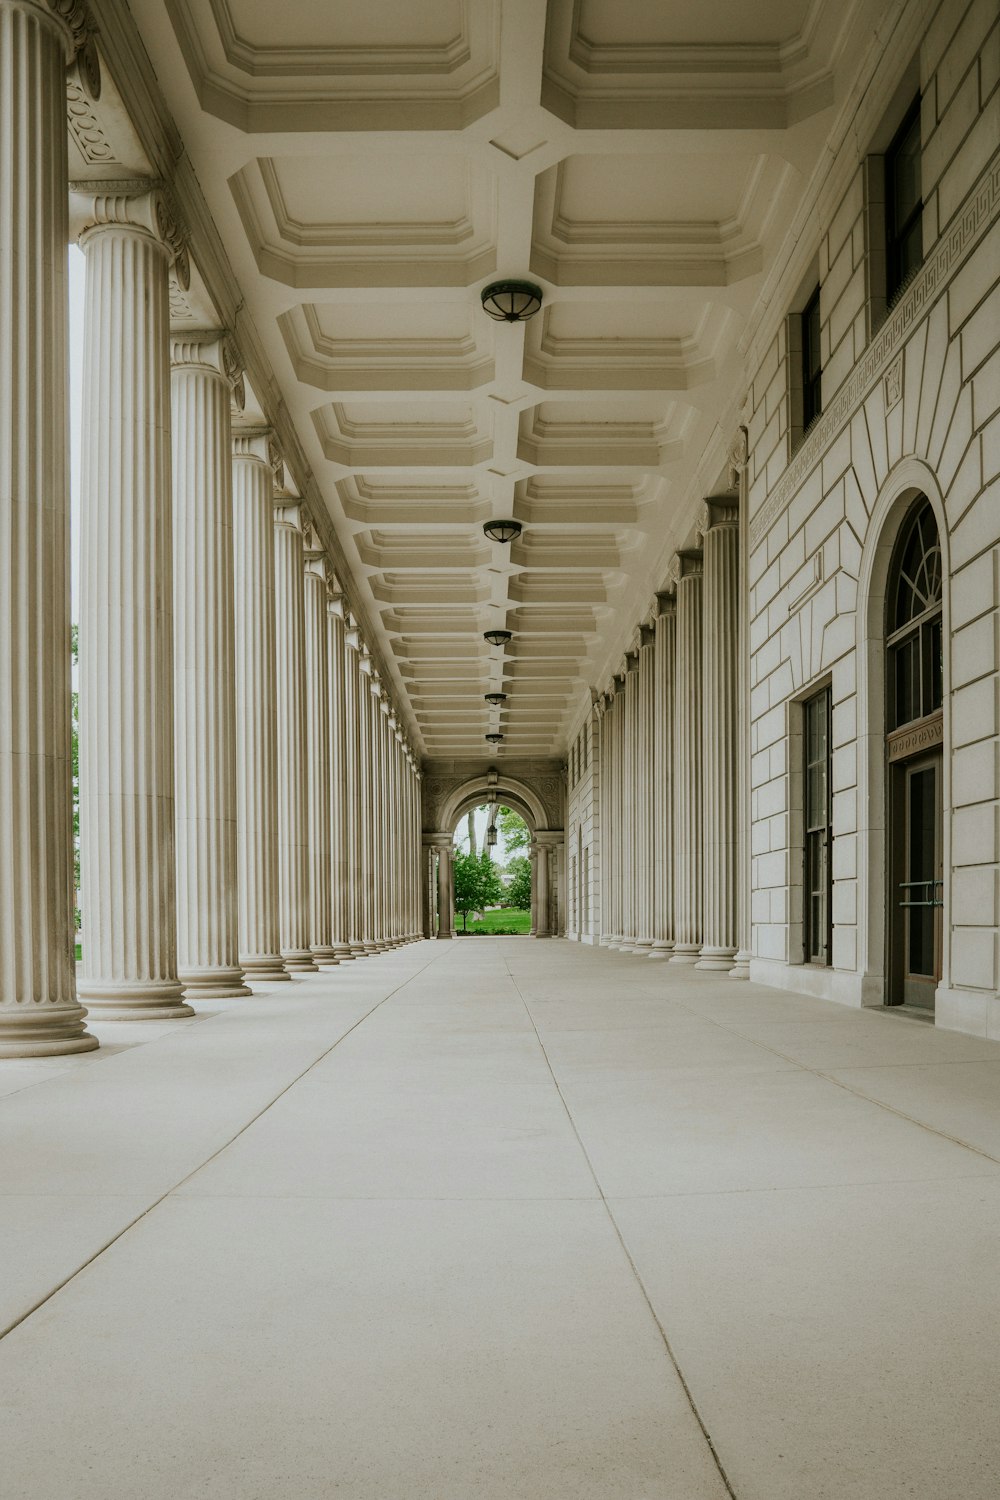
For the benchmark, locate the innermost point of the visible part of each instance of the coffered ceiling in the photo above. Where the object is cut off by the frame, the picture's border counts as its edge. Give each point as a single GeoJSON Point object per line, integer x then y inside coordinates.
{"type": "Point", "coordinates": [371, 164]}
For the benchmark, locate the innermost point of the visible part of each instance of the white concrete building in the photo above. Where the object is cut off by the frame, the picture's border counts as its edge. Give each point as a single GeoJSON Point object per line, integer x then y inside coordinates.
{"type": "Point", "coordinates": [590, 408]}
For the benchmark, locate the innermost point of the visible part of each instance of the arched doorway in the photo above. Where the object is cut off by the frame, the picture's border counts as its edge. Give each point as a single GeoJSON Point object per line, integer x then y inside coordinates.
{"type": "Point", "coordinates": [546, 850]}
{"type": "Point", "coordinates": [914, 761]}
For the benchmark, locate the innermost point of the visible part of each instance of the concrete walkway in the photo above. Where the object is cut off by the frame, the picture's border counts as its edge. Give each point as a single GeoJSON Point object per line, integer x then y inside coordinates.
{"type": "Point", "coordinates": [504, 1219]}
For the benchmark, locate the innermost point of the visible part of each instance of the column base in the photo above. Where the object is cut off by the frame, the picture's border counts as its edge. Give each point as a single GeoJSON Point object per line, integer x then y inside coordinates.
{"type": "Point", "coordinates": [370, 947]}
{"type": "Point", "coordinates": [741, 965]}
{"type": "Point", "coordinates": [442, 935]}
{"type": "Point", "coordinates": [325, 956]}
{"type": "Point", "coordinates": [44, 1031]}
{"type": "Point", "coordinates": [298, 961]}
{"type": "Point", "coordinates": [358, 951]}
{"type": "Point", "coordinates": [540, 935]}
{"type": "Point", "coordinates": [660, 950]}
{"type": "Point", "coordinates": [131, 1001]}
{"type": "Point", "coordinates": [719, 959]}
{"type": "Point", "coordinates": [686, 953]}
{"type": "Point", "coordinates": [213, 984]}
{"type": "Point", "coordinates": [266, 968]}
{"type": "Point", "coordinates": [343, 952]}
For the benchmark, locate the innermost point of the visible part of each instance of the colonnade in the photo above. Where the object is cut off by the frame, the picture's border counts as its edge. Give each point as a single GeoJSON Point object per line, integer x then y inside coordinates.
{"type": "Point", "coordinates": [249, 805]}
{"type": "Point", "coordinates": [669, 776]}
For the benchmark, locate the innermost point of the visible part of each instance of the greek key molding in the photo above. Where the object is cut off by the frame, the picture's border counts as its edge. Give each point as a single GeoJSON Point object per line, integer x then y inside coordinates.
{"type": "Point", "coordinates": [974, 218]}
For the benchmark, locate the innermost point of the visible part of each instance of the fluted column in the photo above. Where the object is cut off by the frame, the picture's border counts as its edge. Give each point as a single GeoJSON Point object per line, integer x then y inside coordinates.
{"type": "Point", "coordinates": [616, 811]}
{"type": "Point", "coordinates": [630, 807]}
{"type": "Point", "coordinates": [445, 918]}
{"type": "Point", "coordinates": [354, 686]}
{"type": "Point", "coordinates": [128, 874]}
{"type": "Point", "coordinates": [686, 574]}
{"type": "Point", "coordinates": [317, 681]}
{"type": "Point", "coordinates": [204, 371]}
{"type": "Point", "coordinates": [540, 889]}
{"type": "Point", "coordinates": [738, 454]}
{"type": "Point", "coordinates": [719, 524]}
{"type": "Point", "coordinates": [39, 1012]}
{"type": "Point", "coordinates": [293, 803]}
{"type": "Point", "coordinates": [254, 460]}
{"type": "Point", "coordinates": [366, 873]}
{"type": "Point", "coordinates": [604, 741]}
{"type": "Point", "coordinates": [662, 805]}
{"type": "Point", "coordinates": [645, 796]}
{"type": "Point", "coordinates": [339, 867]}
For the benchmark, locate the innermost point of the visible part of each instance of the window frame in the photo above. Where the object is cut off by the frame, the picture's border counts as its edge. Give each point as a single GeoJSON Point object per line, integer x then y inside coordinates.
{"type": "Point", "coordinates": [895, 233]}
{"type": "Point", "coordinates": [817, 835]}
{"type": "Point", "coordinates": [811, 353]}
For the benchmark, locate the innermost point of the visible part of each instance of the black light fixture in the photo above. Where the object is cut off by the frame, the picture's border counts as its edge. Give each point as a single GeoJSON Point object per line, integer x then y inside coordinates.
{"type": "Point", "coordinates": [511, 301]}
{"type": "Point", "coordinates": [498, 637]}
{"type": "Point", "coordinates": [495, 697]}
{"type": "Point", "coordinates": [502, 531]}
{"type": "Point", "coordinates": [494, 739]}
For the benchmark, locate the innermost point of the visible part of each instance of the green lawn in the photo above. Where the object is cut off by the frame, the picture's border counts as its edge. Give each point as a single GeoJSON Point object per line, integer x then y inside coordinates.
{"type": "Point", "coordinates": [500, 921]}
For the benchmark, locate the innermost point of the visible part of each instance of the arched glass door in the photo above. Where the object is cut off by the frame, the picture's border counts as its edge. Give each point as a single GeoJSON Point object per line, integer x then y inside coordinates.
{"type": "Point", "coordinates": [914, 761]}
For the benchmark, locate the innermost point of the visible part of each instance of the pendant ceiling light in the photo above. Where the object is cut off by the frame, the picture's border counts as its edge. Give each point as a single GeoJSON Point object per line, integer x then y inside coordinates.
{"type": "Point", "coordinates": [502, 531]}
{"type": "Point", "coordinates": [497, 637]}
{"type": "Point", "coordinates": [494, 739]}
{"type": "Point", "coordinates": [495, 697]}
{"type": "Point", "coordinates": [511, 301]}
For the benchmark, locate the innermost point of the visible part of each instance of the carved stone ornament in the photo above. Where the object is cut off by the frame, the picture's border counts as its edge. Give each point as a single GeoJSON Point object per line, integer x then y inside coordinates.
{"type": "Point", "coordinates": [717, 512]}
{"type": "Point", "coordinates": [133, 204]}
{"type": "Point", "coordinates": [686, 564]}
{"type": "Point", "coordinates": [738, 456]}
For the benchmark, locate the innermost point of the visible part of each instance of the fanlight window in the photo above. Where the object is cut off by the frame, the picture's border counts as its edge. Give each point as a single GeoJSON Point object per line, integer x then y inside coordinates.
{"type": "Point", "coordinates": [915, 676]}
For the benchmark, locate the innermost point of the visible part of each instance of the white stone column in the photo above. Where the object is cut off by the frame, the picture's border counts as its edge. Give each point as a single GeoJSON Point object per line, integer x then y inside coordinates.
{"type": "Point", "coordinates": [616, 810]}
{"type": "Point", "coordinates": [630, 804]}
{"type": "Point", "coordinates": [39, 1012]}
{"type": "Point", "coordinates": [644, 799]}
{"type": "Point", "coordinates": [540, 889]}
{"type": "Point", "coordinates": [128, 870]}
{"type": "Point", "coordinates": [738, 454]}
{"type": "Point", "coordinates": [662, 809]}
{"type": "Point", "coordinates": [445, 918]}
{"type": "Point", "coordinates": [604, 742]}
{"type": "Point", "coordinates": [355, 686]}
{"type": "Point", "coordinates": [686, 574]}
{"type": "Point", "coordinates": [293, 803]}
{"type": "Point", "coordinates": [254, 461]}
{"type": "Point", "coordinates": [719, 524]}
{"type": "Point", "coordinates": [317, 665]}
{"type": "Point", "coordinates": [340, 873]}
{"type": "Point", "coordinates": [204, 370]}
{"type": "Point", "coordinates": [365, 782]}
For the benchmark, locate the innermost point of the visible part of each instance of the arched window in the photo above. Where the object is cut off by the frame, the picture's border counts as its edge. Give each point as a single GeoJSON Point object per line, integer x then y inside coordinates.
{"type": "Point", "coordinates": [913, 630]}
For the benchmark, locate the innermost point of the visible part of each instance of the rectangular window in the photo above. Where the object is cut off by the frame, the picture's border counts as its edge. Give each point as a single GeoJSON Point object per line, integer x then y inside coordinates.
{"type": "Point", "coordinates": [812, 369]}
{"type": "Point", "coordinates": [818, 872]}
{"type": "Point", "coordinates": [903, 203]}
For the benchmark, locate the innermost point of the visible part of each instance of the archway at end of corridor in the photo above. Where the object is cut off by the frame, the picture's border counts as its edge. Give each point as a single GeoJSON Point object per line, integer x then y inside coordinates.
{"type": "Point", "coordinates": [493, 860]}
{"type": "Point", "coordinates": [491, 872]}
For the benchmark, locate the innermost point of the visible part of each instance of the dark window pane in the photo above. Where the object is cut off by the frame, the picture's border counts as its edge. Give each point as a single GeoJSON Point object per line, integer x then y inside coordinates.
{"type": "Point", "coordinates": [812, 370]}
{"type": "Point", "coordinates": [921, 871]}
{"type": "Point", "coordinates": [904, 208]}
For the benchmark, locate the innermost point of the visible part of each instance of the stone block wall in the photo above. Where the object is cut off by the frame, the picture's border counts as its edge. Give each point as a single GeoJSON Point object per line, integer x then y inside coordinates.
{"type": "Point", "coordinates": [911, 403]}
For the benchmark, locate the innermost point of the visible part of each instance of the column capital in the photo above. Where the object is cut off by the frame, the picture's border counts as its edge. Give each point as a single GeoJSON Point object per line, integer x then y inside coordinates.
{"type": "Point", "coordinates": [253, 444]}
{"type": "Point", "coordinates": [288, 512]}
{"type": "Point", "coordinates": [631, 662]}
{"type": "Point", "coordinates": [685, 564]}
{"type": "Point", "coordinates": [136, 204]}
{"type": "Point", "coordinates": [74, 24]}
{"type": "Point", "coordinates": [717, 511]}
{"type": "Point", "coordinates": [647, 635]}
{"type": "Point", "coordinates": [210, 349]}
{"type": "Point", "coordinates": [666, 604]}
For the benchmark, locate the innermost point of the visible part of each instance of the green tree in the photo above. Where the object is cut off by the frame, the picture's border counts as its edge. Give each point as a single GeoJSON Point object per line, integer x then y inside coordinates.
{"type": "Point", "coordinates": [518, 892]}
{"type": "Point", "coordinates": [477, 884]}
{"type": "Point", "coordinates": [513, 829]}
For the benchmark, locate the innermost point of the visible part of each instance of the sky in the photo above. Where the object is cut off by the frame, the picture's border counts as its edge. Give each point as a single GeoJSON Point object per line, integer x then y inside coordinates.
{"type": "Point", "coordinates": [482, 819]}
